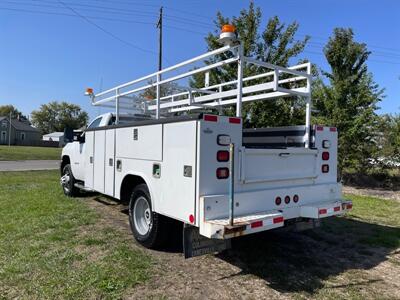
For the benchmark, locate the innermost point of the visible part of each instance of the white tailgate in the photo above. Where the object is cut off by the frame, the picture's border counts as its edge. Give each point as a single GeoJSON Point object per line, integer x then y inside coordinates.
{"type": "Point", "coordinates": [264, 165]}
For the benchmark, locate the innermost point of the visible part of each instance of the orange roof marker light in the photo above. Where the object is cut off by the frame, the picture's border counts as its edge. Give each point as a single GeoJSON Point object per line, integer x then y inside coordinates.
{"type": "Point", "coordinates": [228, 35]}
{"type": "Point", "coordinates": [89, 92]}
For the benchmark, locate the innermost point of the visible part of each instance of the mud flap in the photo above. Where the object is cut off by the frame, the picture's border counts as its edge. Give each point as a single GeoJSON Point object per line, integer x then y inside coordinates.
{"type": "Point", "coordinates": [195, 244]}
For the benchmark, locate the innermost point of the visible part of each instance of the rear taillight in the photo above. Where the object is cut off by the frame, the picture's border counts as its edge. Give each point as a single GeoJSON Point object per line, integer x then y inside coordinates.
{"type": "Point", "coordinates": [222, 173]}
{"type": "Point", "coordinates": [235, 120]}
{"type": "Point", "coordinates": [296, 198]}
{"type": "Point", "coordinates": [210, 118]}
{"type": "Point", "coordinates": [325, 155]}
{"type": "Point", "coordinates": [325, 168]}
{"type": "Point", "coordinates": [287, 199]}
{"type": "Point", "coordinates": [223, 156]}
{"type": "Point", "coordinates": [278, 200]}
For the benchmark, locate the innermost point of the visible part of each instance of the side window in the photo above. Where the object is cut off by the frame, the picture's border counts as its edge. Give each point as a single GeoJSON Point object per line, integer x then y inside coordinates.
{"type": "Point", "coordinates": [95, 123]}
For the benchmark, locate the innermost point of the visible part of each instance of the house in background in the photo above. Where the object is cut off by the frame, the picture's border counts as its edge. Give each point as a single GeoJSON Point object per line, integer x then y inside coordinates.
{"type": "Point", "coordinates": [22, 133]}
{"type": "Point", "coordinates": [55, 137]}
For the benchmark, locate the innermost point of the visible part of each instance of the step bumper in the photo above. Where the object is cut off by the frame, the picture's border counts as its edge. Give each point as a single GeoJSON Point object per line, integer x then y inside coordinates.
{"type": "Point", "coordinates": [325, 209]}
{"type": "Point", "coordinates": [220, 228]}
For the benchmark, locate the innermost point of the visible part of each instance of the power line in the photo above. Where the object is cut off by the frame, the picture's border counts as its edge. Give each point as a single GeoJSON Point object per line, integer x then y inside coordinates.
{"type": "Point", "coordinates": [105, 30]}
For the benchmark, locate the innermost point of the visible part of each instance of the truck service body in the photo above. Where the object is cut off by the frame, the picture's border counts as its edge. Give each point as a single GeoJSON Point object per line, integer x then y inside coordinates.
{"type": "Point", "coordinates": [205, 170]}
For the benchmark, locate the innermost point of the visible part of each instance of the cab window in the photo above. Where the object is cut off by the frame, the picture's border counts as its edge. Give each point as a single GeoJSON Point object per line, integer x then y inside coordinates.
{"type": "Point", "coordinates": [95, 123]}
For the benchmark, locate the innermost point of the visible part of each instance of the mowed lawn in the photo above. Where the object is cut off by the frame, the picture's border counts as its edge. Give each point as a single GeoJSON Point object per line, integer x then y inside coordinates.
{"type": "Point", "coordinates": [52, 246]}
{"type": "Point", "coordinates": [29, 153]}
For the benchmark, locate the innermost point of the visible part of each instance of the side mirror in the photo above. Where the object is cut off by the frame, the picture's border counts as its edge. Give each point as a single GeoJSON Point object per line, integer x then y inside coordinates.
{"type": "Point", "coordinates": [68, 135]}
{"type": "Point", "coordinates": [81, 138]}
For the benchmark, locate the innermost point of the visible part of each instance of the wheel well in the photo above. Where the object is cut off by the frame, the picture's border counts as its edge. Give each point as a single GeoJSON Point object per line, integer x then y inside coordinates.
{"type": "Point", "coordinates": [128, 184]}
{"type": "Point", "coordinates": [65, 161]}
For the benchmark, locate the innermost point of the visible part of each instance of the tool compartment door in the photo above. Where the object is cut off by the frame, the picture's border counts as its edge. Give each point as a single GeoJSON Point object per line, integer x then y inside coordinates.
{"type": "Point", "coordinates": [109, 163]}
{"type": "Point", "coordinates": [99, 158]}
{"type": "Point", "coordinates": [178, 170]}
{"type": "Point", "coordinates": [89, 158]}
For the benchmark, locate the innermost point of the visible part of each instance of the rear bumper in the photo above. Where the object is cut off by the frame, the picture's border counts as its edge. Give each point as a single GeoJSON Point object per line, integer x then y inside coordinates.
{"type": "Point", "coordinates": [247, 224]}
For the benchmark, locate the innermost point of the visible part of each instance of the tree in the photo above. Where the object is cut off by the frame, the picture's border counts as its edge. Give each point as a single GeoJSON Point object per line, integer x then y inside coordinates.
{"type": "Point", "coordinates": [388, 140]}
{"type": "Point", "coordinates": [349, 100]}
{"type": "Point", "coordinates": [6, 109]}
{"type": "Point", "coordinates": [274, 44]}
{"type": "Point", "coordinates": [55, 116]}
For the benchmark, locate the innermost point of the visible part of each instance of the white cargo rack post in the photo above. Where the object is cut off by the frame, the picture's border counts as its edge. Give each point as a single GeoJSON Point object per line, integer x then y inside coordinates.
{"type": "Point", "coordinates": [233, 92]}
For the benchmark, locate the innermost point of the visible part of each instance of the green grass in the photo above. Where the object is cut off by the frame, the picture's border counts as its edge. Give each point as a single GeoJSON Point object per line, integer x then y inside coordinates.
{"type": "Point", "coordinates": [52, 246]}
{"type": "Point", "coordinates": [29, 153]}
{"type": "Point", "coordinates": [375, 210]}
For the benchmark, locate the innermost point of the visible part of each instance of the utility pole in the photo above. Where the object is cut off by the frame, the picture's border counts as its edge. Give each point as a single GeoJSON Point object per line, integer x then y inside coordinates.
{"type": "Point", "coordinates": [159, 26]}
{"type": "Point", "coordinates": [9, 132]}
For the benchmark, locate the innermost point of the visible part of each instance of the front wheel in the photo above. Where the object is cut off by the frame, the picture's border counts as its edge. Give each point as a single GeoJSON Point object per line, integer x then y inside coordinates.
{"type": "Point", "coordinates": [148, 227]}
{"type": "Point", "coordinates": [68, 182]}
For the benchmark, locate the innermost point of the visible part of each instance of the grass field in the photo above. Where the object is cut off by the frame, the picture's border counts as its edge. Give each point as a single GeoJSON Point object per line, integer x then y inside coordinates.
{"type": "Point", "coordinates": [57, 247]}
{"type": "Point", "coordinates": [52, 246]}
{"type": "Point", "coordinates": [29, 153]}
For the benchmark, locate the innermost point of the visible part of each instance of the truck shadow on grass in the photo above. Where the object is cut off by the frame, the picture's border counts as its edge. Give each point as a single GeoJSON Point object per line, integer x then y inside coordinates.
{"type": "Point", "coordinates": [301, 262]}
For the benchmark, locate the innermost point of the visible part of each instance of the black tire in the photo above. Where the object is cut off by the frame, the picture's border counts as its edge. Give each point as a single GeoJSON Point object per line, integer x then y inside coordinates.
{"type": "Point", "coordinates": [156, 235]}
{"type": "Point", "coordinates": [68, 186]}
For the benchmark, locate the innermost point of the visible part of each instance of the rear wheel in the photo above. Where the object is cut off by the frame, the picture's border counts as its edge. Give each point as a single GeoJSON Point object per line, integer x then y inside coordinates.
{"type": "Point", "coordinates": [68, 182]}
{"type": "Point", "coordinates": [148, 227]}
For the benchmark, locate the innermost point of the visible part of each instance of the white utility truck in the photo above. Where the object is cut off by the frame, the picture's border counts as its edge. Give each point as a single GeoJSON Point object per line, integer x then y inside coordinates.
{"type": "Point", "coordinates": [205, 170]}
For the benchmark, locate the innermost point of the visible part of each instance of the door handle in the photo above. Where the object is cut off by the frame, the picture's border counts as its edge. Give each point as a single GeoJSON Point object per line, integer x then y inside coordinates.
{"type": "Point", "coordinates": [284, 154]}
{"type": "Point", "coordinates": [110, 162]}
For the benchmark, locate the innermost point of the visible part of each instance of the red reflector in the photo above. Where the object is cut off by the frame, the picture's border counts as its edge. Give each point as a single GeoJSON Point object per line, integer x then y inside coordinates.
{"type": "Point", "coordinates": [320, 128]}
{"type": "Point", "coordinates": [349, 206]}
{"type": "Point", "coordinates": [287, 199]}
{"type": "Point", "coordinates": [191, 219]}
{"type": "Point", "coordinates": [296, 198]}
{"type": "Point", "coordinates": [278, 200]}
{"type": "Point", "coordinates": [257, 224]}
{"type": "Point", "coordinates": [325, 168]}
{"type": "Point", "coordinates": [222, 173]}
{"type": "Point", "coordinates": [322, 211]}
{"type": "Point", "coordinates": [277, 220]}
{"type": "Point", "coordinates": [325, 155]}
{"type": "Point", "coordinates": [235, 120]}
{"type": "Point", "coordinates": [211, 118]}
{"type": "Point", "coordinates": [223, 155]}
{"type": "Point", "coordinates": [333, 129]}
{"type": "Point", "coordinates": [337, 208]}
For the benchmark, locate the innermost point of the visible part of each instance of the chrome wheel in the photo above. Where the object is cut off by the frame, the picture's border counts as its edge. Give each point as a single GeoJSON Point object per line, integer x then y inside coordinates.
{"type": "Point", "coordinates": [65, 181]}
{"type": "Point", "coordinates": [142, 215]}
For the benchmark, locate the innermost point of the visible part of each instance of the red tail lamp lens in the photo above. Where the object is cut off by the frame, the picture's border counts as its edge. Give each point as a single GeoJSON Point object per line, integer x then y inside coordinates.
{"type": "Point", "coordinates": [287, 199]}
{"type": "Point", "coordinates": [210, 118]}
{"type": "Point", "coordinates": [325, 168]}
{"type": "Point", "coordinates": [278, 200]}
{"type": "Point", "coordinates": [191, 219]}
{"type": "Point", "coordinates": [222, 155]}
{"type": "Point", "coordinates": [235, 120]}
{"type": "Point", "coordinates": [325, 155]}
{"type": "Point", "coordinates": [222, 173]}
{"type": "Point", "coordinates": [296, 198]}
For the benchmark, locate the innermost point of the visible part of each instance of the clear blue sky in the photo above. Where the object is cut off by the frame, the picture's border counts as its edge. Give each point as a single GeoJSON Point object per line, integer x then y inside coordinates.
{"type": "Point", "coordinates": [47, 57]}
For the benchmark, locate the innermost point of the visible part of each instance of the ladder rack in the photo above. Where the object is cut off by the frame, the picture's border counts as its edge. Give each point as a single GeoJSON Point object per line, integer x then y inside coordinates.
{"type": "Point", "coordinates": [270, 82]}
